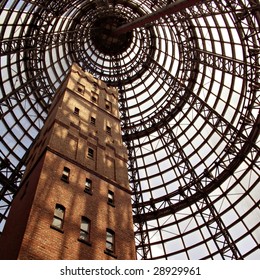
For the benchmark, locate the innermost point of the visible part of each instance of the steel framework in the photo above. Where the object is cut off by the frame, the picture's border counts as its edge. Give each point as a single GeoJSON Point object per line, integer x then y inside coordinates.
{"type": "Point", "coordinates": [188, 78]}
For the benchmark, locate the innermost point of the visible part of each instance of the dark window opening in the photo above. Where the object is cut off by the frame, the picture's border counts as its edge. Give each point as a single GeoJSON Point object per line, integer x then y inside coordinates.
{"type": "Point", "coordinates": [88, 186]}
{"type": "Point", "coordinates": [94, 98]}
{"type": "Point", "coordinates": [90, 153]}
{"type": "Point", "coordinates": [108, 130]}
{"type": "Point", "coordinates": [110, 198]}
{"type": "Point", "coordinates": [65, 174]}
{"type": "Point", "coordinates": [95, 86]}
{"type": "Point", "coordinates": [108, 106]}
{"type": "Point", "coordinates": [92, 120]}
{"type": "Point", "coordinates": [80, 88]}
{"type": "Point", "coordinates": [76, 111]}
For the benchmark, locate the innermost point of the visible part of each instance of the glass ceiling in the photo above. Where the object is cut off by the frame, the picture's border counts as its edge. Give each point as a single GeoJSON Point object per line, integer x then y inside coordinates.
{"type": "Point", "coordinates": [189, 103]}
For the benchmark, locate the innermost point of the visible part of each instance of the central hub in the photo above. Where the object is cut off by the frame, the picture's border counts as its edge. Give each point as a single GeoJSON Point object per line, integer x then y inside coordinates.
{"type": "Point", "coordinates": [104, 38]}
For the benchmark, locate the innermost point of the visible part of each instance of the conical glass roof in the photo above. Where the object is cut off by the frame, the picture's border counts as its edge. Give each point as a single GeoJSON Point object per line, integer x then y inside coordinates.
{"type": "Point", "coordinates": [189, 103]}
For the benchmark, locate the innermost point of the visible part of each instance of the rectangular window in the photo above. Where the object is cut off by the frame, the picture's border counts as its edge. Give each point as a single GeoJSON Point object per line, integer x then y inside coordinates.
{"type": "Point", "coordinates": [84, 230]}
{"type": "Point", "coordinates": [94, 86]}
{"type": "Point", "coordinates": [110, 198]}
{"type": "Point", "coordinates": [92, 120]}
{"type": "Point", "coordinates": [90, 153]}
{"type": "Point", "coordinates": [80, 88]}
{"type": "Point", "coordinates": [65, 174]}
{"type": "Point", "coordinates": [110, 240]}
{"type": "Point", "coordinates": [108, 130]}
{"type": "Point", "coordinates": [94, 98]}
{"type": "Point", "coordinates": [88, 186]}
{"type": "Point", "coordinates": [108, 105]}
{"type": "Point", "coordinates": [58, 218]}
{"type": "Point", "coordinates": [76, 111]}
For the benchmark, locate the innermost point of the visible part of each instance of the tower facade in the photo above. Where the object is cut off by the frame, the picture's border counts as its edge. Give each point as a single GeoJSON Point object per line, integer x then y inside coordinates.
{"type": "Point", "coordinates": [74, 202]}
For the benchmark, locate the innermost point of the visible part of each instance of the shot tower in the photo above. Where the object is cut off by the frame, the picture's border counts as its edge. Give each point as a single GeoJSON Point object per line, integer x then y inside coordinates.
{"type": "Point", "coordinates": [74, 202]}
{"type": "Point", "coordinates": [187, 74]}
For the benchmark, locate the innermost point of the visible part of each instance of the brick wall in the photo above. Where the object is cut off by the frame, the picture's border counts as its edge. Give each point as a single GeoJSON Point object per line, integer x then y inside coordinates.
{"type": "Point", "coordinates": [64, 142]}
{"type": "Point", "coordinates": [11, 239]}
{"type": "Point", "coordinates": [42, 242]}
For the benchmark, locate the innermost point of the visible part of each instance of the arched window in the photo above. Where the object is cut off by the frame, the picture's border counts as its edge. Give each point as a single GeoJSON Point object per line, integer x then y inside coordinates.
{"type": "Point", "coordinates": [84, 229]}
{"type": "Point", "coordinates": [110, 240]}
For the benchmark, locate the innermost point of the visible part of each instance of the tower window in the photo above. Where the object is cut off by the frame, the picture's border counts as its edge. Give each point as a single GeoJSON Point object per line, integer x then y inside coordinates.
{"type": "Point", "coordinates": [58, 219]}
{"type": "Point", "coordinates": [84, 235]}
{"type": "Point", "coordinates": [90, 153]}
{"type": "Point", "coordinates": [92, 120]}
{"type": "Point", "coordinates": [108, 106]}
{"type": "Point", "coordinates": [65, 174]}
{"type": "Point", "coordinates": [80, 88]}
{"type": "Point", "coordinates": [76, 111]}
{"type": "Point", "coordinates": [110, 198]}
{"type": "Point", "coordinates": [88, 186]}
{"type": "Point", "coordinates": [110, 241]}
{"type": "Point", "coordinates": [94, 98]}
{"type": "Point", "coordinates": [95, 86]}
{"type": "Point", "coordinates": [108, 130]}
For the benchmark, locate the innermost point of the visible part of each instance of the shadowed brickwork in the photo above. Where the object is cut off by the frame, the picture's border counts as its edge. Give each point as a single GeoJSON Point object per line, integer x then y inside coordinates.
{"type": "Point", "coordinates": [78, 167]}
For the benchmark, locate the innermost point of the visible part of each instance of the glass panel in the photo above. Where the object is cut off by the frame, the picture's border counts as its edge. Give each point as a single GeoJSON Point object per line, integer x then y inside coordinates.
{"type": "Point", "coordinates": [90, 153]}
{"type": "Point", "coordinates": [85, 225]}
{"type": "Point", "coordinates": [109, 237]}
{"type": "Point", "coordinates": [110, 197]}
{"type": "Point", "coordinates": [88, 184]}
{"type": "Point", "coordinates": [109, 246]}
{"type": "Point", "coordinates": [83, 235]}
{"type": "Point", "coordinates": [57, 222]}
{"type": "Point", "coordinates": [66, 173]}
{"type": "Point", "coordinates": [59, 212]}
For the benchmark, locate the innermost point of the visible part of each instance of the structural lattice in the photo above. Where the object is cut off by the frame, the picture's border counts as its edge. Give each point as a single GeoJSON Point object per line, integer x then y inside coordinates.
{"type": "Point", "coordinates": [189, 102]}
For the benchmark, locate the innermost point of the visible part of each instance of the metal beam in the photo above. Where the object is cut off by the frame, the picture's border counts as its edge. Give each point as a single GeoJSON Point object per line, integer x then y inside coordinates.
{"type": "Point", "coordinates": [175, 7]}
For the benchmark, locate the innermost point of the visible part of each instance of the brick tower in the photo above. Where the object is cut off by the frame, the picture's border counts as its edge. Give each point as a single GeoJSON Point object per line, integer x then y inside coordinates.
{"type": "Point", "coordinates": [74, 201]}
